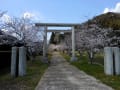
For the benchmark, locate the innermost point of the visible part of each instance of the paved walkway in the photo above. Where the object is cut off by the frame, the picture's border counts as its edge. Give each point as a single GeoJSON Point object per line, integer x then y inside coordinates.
{"type": "Point", "coordinates": [63, 76]}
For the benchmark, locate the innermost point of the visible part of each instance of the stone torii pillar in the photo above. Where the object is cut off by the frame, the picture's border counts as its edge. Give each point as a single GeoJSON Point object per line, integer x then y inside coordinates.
{"type": "Point", "coordinates": [45, 59]}
{"type": "Point", "coordinates": [73, 58]}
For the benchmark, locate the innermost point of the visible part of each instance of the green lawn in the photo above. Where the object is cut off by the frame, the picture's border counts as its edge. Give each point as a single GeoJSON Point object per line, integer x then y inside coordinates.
{"type": "Point", "coordinates": [35, 70]}
{"type": "Point", "coordinates": [99, 58]}
{"type": "Point", "coordinates": [95, 70]}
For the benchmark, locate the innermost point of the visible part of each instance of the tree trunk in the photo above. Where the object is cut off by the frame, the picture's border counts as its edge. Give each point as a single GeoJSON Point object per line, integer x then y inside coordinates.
{"type": "Point", "coordinates": [69, 52]}
{"type": "Point", "coordinates": [80, 53]}
{"type": "Point", "coordinates": [91, 56]}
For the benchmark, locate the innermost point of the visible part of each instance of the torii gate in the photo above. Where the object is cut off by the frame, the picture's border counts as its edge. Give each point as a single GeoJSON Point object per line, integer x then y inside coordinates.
{"type": "Point", "coordinates": [46, 25]}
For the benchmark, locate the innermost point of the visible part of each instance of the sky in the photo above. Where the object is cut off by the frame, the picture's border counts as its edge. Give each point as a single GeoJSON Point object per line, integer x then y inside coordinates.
{"type": "Point", "coordinates": [58, 11]}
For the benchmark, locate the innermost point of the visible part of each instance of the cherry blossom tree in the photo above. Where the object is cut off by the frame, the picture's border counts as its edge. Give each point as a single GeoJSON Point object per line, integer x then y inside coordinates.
{"type": "Point", "coordinates": [1, 15]}
{"type": "Point", "coordinates": [93, 39]}
{"type": "Point", "coordinates": [26, 32]}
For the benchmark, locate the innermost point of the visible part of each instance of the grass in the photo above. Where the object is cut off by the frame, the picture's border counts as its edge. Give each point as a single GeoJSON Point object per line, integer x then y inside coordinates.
{"type": "Point", "coordinates": [49, 55]}
{"type": "Point", "coordinates": [35, 70]}
{"type": "Point", "coordinates": [95, 70]}
{"type": "Point", "coordinates": [99, 58]}
{"type": "Point", "coordinates": [65, 56]}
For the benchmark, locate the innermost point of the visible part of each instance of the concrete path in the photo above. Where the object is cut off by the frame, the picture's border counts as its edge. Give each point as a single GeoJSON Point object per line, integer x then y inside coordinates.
{"type": "Point", "coordinates": [63, 76]}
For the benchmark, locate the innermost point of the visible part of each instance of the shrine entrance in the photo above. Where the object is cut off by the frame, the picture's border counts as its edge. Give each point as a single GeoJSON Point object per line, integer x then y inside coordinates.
{"type": "Point", "coordinates": [54, 25]}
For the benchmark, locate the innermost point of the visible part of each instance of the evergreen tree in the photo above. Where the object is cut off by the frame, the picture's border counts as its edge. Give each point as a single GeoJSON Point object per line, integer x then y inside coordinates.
{"type": "Point", "coordinates": [52, 38]}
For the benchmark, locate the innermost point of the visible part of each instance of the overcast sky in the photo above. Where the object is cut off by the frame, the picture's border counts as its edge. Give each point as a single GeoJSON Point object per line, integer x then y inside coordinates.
{"type": "Point", "coordinates": [67, 11]}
